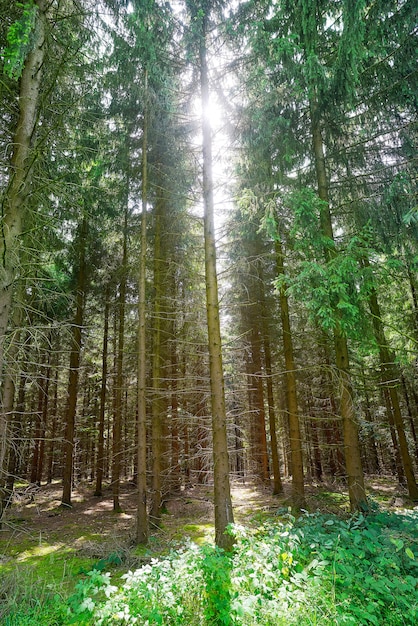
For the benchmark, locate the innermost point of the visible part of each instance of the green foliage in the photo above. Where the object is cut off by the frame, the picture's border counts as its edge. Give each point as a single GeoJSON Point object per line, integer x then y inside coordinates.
{"type": "Point", "coordinates": [27, 599]}
{"type": "Point", "coordinates": [333, 288]}
{"type": "Point", "coordinates": [49, 611]}
{"type": "Point", "coordinates": [19, 41]}
{"type": "Point", "coordinates": [373, 565]}
{"type": "Point", "coordinates": [82, 603]}
{"type": "Point", "coordinates": [165, 591]}
{"type": "Point", "coordinates": [317, 569]}
{"type": "Point", "coordinates": [216, 566]}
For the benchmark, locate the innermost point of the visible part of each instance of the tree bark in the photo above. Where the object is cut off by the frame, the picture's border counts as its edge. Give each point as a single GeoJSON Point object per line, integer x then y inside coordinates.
{"type": "Point", "coordinates": [117, 418]}
{"type": "Point", "coordinates": [390, 379]}
{"type": "Point", "coordinates": [256, 398]}
{"type": "Point", "coordinates": [102, 409]}
{"type": "Point", "coordinates": [296, 455]}
{"type": "Point", "coordinates": [222, 493]}
{"type": "Point", "coordinates": [75, 357]}
{"type": "Point", "coordinates": [355, 476]}
{"type": "Point", "coordinates": [157, 404]}
{"type": "Point", "coordinates": [141, 516]}
{"type": "Point", "coordinates": [277, 481]}
{"type": "Point", "coordinates": [15, 199]}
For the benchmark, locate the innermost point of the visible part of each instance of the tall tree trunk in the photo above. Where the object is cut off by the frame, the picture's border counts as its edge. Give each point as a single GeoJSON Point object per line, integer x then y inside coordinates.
{"type": "Point", "coordinates": [355, 476]}
{"type": "Point", "coordinates": [411, 416]}
{"type": "Point", "coordinates": [74, 368]}
{"type": "Point", "coordinates": [8, 440]}
{"type": "Point", "coordinates": [17, 436]}
{"type": "Point", "coordinates": [222, 493]}
{"type": "Point", "coordinates": [390, 379]}
{"type": "Point", "coordinates": [296, 455]}
{"type": "Point", "coordinates": [141, 516]}
{"type": "Point", "coordinates": [14, 200]}
{"type": "Point", "coordinates": [277, 481]}
{"type": "Point", "coordinates": [44, 423]}
{"type": "Point", "coordinates": [175, 433]}
{"type": "Point", "coordinates": [157, 404]}
{"type": "Point", "coordinates": [117, 418]}
{"type": "Point", "coordinates": [373, 459]}
{"type": "Point", "coordinates": [102, 409]}
{"type": "Point", "coordinates": [255, 391]}
{"type": "Point", "coordinates": [40, 431]}
{"type": "Point", "coordinates": [53, 410]}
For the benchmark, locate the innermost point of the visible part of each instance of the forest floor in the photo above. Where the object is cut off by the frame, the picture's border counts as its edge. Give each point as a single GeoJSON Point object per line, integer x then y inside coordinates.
{"type": "Point", "coordinates": [36, 525]}
{"type": "Point", "coordinates": [48, 553]}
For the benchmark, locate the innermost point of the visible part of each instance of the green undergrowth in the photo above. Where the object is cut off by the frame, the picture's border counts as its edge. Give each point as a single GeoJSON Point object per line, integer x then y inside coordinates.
{"type": "Point", "coordinates": [317, 569]}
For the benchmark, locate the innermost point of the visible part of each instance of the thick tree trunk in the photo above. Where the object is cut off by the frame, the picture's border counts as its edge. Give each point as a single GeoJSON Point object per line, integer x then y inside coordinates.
{"type": "Point", "coordinates": [141, 516]}
{"type": "Point", "coordinates": [14, 200]}
{"type": "Point", "coordinates": [7, 415]}
{"type": "Point", "coordinates": [222, 493]}
{"type": "Point", "coordinates": [355, 476]}
{"type": "Point", "coordinates": [74, 369]}
{"type": "Point", "coordinates": [296, 458]}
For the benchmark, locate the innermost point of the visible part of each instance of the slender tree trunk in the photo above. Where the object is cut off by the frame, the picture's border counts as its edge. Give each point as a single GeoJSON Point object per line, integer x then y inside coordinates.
{"type": "Point", "coordinates": [411, 416]}
{"type": "Point", "coordinates": [6, 411]}
{"type": "Point", "coordinates": [414, 294]}
{"type": "Point", "coordinates": [277, 481]}
{"type": "Point", "coordinates": [74, 369]}
{"type": "Point", "coordinates": [390, 378]}
{"type": "Point", "coordinates": [100, 443]}
{"type": "Point", "coordinates": [396, 461]}
{"type": "Point", "coordinates": [40, 431]}
{"type": "Point", "coordinates": [117, 419]}
{"type": "Point", "coordinates": [255, 390]}
{"type": "Point", "coordinates": [141, 517]}
{"type": "Point", "coordinates": [17, 435]}
{"type": "Point", "coordinates": [175, 434]}
{"type": "Point", "coordinates": [53, 411]}
{"type": "Point", "coordinates": [296, 458]}
{"type": "Point", "coordinates": [355, 476]}
{"type": "Point", "coordinates": [44, 423]}
{"type": "Point", "coordinates": [157, 404]}
{"type": "Point", "coordinates": [222, 494]}
{"type": "Point", "coordinates": [373, 459]}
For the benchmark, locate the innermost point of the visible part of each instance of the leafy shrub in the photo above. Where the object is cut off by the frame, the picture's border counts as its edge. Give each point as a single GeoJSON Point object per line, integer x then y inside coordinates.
{"type": "Point", "coordinates": [315, 570]}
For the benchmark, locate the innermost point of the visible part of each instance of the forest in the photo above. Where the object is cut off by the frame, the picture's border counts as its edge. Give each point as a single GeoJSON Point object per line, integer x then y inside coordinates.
{"type": "Point", "coordinates": [208, 312]}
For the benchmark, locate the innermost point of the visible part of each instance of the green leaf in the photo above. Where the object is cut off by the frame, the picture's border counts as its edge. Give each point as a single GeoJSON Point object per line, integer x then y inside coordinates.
{"type": "Point", "coordinates": [409, 553]}
{"type": "Point", "coordinates": [19, 41]}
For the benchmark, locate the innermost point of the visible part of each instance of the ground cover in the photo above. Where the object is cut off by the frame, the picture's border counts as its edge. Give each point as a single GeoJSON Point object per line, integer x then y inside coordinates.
{"type": "Point", "coordinates": [322, 567]}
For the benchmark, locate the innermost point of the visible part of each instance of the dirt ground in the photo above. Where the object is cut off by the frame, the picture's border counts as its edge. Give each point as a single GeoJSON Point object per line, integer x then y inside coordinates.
{"type": "Point", "coordinates": [93, 528]}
